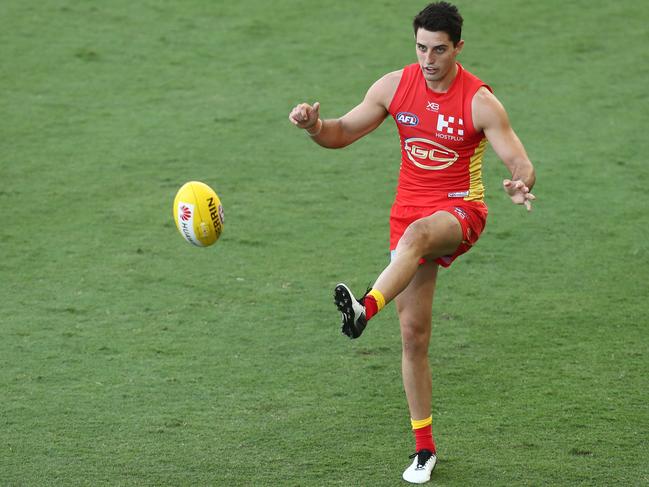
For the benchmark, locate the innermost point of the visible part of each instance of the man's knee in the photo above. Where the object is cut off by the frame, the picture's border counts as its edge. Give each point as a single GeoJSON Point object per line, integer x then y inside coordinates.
{"type": "Point", "coordinates": [415, 237]}
{"type": "Point", "coordinates": [438, 234]}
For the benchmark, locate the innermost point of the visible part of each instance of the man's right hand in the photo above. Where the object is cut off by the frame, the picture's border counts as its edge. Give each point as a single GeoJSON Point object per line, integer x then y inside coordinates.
{"type": "Point", "coordinates": [304, 115]}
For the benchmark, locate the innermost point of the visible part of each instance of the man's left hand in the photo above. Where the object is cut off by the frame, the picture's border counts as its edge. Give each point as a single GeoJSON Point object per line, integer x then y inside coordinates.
{"type": "Point", "coordinates": [519, 193]}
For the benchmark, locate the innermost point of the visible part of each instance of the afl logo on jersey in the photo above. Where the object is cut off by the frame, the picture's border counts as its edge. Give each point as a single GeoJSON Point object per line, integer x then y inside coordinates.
{"type": "Point", "coordinates": [429, 155]}
{"type": "Point", "coordinates": [407, 118]}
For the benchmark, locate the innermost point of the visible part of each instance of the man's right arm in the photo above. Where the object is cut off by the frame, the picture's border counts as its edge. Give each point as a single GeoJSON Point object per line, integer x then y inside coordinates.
{"type": "Point", "coordinates": [359, 121]}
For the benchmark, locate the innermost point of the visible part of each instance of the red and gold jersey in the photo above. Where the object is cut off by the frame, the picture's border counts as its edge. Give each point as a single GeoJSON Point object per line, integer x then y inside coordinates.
{"type": "Point", "coordinates": [441, 151]}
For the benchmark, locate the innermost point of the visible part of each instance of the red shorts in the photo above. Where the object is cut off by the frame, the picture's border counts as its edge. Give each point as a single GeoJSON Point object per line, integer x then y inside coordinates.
{"type": "Point", "coordinates": [472, 216]}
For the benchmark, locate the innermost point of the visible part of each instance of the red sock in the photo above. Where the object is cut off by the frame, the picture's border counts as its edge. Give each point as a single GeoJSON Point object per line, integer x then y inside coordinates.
{"type": "Point", "coordinates": [373, 302]}
{"type": "Point", "coordinates": [424, 438]}
{"type": "Point", "coordinates": [371, 308]}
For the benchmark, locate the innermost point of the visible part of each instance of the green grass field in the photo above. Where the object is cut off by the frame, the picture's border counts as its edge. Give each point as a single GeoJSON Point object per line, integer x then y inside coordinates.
{"type": "Point", "coordinates": [128, 357]}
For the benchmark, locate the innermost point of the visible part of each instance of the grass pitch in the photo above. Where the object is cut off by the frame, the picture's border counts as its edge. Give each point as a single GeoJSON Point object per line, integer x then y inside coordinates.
{"type": "Point", "coordinates": [127, 357]}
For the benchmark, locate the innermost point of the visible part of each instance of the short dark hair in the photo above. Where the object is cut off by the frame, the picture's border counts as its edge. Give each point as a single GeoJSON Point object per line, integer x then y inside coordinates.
{"type": "Point", "coordinates": [440, 17]}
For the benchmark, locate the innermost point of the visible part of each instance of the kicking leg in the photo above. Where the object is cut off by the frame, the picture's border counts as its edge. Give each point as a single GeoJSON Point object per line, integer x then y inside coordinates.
{"type": "Point", "coordinates": [433, 236]}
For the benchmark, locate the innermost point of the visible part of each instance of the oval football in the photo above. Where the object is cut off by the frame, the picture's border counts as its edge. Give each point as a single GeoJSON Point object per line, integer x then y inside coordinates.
{"type": "Point", "coordinates": [198, 214]}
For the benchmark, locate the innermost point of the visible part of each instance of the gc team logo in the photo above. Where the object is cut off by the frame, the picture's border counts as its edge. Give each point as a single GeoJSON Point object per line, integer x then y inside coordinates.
{"type": "Point", "coordinates": [429, 155]}
{"type": "Point", "coordinates": [407, 118]}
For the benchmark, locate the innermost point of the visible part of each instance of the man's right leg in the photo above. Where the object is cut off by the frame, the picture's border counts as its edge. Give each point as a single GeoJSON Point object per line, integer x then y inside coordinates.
{"type": "Point", "coordinates": [433, 236]}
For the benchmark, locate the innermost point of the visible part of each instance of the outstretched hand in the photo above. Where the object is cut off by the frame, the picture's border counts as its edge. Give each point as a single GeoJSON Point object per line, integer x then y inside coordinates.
{"type": "Point", "coordinates": [304, 115]}
{"type": "Point", "coordinates": [519, 193]}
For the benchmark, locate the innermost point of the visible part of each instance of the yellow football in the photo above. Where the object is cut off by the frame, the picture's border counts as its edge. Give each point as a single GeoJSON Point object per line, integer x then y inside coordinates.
{"type": "Point", "coordinates": [198, 214]}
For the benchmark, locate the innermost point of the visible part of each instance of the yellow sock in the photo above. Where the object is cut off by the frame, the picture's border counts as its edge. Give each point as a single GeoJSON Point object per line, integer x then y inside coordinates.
{"type": "Point", "coordinates": [378, 297]}
{"type": "Point", "coordinates": [423, 430]}
{"type": "Point", "coordinates": [421, 423]}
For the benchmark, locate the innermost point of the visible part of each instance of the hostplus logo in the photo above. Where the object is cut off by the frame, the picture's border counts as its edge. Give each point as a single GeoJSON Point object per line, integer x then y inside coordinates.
{"type": "Point", "coordinates": [450, 128]}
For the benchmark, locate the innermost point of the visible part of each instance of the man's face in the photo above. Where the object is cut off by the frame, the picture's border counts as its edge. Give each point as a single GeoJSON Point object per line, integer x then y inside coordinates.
{"type": "Point", "coordinates": [436, 54]}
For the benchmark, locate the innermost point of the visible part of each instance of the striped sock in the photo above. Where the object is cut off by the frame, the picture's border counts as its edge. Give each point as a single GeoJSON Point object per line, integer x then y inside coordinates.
{"type": "Point", "coordinates": [373, 302]}
{"type": "Point", "coordinates": [423, 430]}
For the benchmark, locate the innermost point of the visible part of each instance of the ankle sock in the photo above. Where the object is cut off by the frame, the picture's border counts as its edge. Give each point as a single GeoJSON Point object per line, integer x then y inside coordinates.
{"type": "Point", "coordinates": [423, 431]}
{"type": "Point", "coordinates": [373, 302]}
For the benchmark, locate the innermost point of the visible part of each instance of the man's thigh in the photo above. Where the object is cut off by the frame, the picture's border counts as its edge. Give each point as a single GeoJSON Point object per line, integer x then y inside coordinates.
{"type": "Point", "coordinates": [436, 235]}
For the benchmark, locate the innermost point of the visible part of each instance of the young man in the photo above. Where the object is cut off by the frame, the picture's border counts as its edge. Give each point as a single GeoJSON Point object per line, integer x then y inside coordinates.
{"type": "Point", "coordinates": [445, 116]}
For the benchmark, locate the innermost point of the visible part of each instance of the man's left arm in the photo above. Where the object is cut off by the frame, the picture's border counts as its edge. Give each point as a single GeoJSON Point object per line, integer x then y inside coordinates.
{"type": "Point", "coordinates": [490, 116]}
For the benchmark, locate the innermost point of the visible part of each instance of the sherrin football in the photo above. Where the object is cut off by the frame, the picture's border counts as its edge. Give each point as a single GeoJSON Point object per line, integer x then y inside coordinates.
{"type": "Point", "coordinates": [198, 214]}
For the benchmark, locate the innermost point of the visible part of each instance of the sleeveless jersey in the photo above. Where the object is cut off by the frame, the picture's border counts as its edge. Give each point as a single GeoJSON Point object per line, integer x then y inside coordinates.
{"type": "Point", "coordinates": [441, 151]}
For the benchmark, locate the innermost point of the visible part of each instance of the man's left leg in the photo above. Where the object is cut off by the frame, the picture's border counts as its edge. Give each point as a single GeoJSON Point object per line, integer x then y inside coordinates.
{"type": "Point", "coordinates": [414, 306]}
